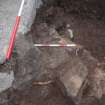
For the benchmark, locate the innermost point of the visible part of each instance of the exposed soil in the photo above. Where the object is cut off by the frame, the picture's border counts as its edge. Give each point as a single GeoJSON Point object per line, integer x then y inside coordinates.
{"type": "Point", "coordinates": [40, 95]}
{"type": "Point", "coordinates": [85, 18]}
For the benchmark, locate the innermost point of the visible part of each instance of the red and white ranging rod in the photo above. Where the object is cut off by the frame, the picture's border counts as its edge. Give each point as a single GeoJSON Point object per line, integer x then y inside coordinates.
{"type": "Point", "coordinates": [14, 31]}
{"type": "Point", "coordinates": [55, 45]}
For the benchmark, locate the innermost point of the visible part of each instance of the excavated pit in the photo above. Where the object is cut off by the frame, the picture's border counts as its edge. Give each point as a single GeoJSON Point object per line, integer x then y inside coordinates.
{"type": "Point", "coordinates": [62, 75]}
{"type": "Point", "coordinates": [87, 21]}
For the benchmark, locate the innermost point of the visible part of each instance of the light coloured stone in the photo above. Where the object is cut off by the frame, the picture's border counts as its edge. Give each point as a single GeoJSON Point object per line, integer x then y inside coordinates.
{"type": "Point", "coordinates": [8, 12]}
{"type": "Point", "coordinates": [28, 15]}
{"type": "Point", "coordinates": [6, 80]}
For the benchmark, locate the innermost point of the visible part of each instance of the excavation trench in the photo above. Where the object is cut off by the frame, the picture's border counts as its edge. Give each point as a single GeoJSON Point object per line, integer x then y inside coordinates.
{"type": "Point", "coordinates": [63, 75]}
{"type": "Point", "coordinates": [86, 20]}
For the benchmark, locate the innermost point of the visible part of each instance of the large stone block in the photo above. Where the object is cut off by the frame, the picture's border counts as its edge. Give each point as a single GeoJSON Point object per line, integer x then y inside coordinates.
{"type": "Point", "coordinates": [28, 15]}
{"type": "Point", "coordinates": [74, 76]}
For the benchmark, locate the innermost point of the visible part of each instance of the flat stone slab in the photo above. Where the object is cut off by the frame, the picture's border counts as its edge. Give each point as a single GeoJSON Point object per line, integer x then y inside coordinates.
{"type": "Point", "coordinates": [74, 77]}
{"type": "Point", "coordinates": [8, 13]}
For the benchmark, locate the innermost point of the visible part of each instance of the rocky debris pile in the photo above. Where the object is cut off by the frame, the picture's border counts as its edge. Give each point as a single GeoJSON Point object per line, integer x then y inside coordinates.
{"type": "Point", "coordinates": [75, 67]}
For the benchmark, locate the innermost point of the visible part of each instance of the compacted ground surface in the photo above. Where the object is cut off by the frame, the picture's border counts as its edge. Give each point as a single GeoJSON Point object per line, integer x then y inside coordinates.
{"type": "Point", "coordinates": [87, 21]}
